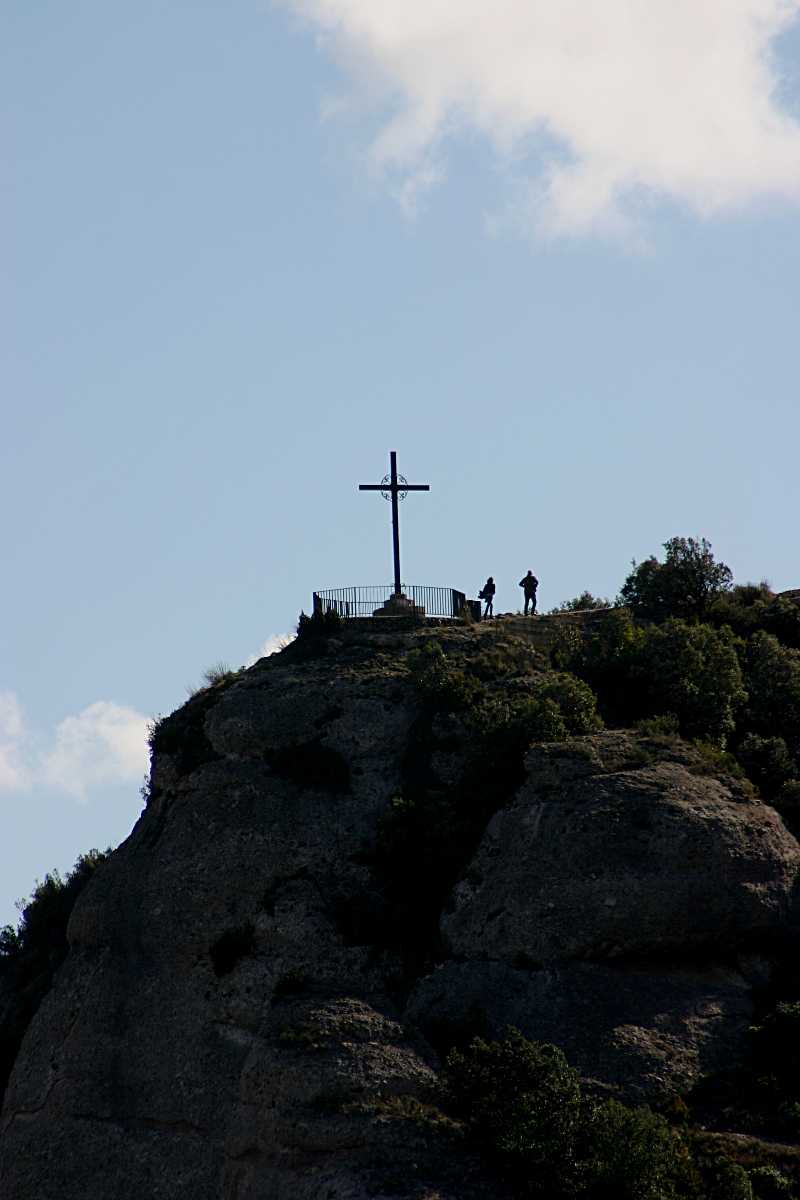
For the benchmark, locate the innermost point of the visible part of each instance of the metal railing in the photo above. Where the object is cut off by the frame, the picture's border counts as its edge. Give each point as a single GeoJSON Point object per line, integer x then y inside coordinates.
{"type": "Point", "coordinates": [354, 602]}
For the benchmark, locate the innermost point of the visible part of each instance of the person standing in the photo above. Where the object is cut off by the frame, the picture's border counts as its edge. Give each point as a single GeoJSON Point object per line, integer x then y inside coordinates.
{"type": "Point", "coordinates": [487, 593]}
{"type": "Point", "coordinates": [529, 583]}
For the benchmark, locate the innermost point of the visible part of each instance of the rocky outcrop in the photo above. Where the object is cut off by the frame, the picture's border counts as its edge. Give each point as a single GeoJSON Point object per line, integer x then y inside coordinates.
{"type": "Point", "coordinates": [232, 1020]}
{"type": "Point", "coordinates": [612, 907]}
{"type": "Point", "coordinates": [642, 1030]}
{"type": "Point", "coordinates": [614, 848]}
{"type": "Point", "coordinates": [214, 1031]}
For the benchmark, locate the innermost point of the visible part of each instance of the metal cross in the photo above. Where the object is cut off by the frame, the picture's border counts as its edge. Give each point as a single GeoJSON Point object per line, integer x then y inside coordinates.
{"type": "Point", "coordinates": [393, 486]}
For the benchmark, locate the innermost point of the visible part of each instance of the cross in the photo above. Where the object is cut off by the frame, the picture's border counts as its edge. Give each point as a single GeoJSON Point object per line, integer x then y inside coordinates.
{"type": "Point", "coordinates": [392, 486]}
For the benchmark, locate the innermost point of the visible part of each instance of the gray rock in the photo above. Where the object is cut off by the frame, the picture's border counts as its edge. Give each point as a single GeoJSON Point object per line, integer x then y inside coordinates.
{"type": "Point", "coordinates": [163, 1064]}
{"type": "Point", "coordinates": [644, 1032]}
{"type": "Point", "coordinates": [605, 853]}
{"type": "Point", "coordinates": [223, 1027]}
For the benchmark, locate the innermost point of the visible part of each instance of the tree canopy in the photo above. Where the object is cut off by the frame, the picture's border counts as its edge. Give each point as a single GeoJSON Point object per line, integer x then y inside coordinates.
{"type": "Point", "coordinates": [683, 585]}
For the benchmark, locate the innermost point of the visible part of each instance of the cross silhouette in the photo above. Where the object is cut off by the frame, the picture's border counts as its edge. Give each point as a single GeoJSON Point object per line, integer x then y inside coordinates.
{"type": "Point", "coordinates": [394, 486]}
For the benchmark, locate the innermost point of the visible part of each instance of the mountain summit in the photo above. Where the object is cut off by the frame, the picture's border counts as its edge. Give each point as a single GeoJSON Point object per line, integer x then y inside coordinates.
{"type": "Point", "coordinates": [362, 851]}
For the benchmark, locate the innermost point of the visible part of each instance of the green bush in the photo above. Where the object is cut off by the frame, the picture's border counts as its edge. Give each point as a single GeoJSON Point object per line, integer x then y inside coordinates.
{"type": "Point", "coordinates": [31, 954]}
{"type": "Point", "coordinates": [665, 725]}
{"type": "Point", "coordinates": [567, 645]}
{"type": "Point", "coordinates": [444, 686]}
{"type": "Point", "coordinates": [712, 760]}
{"type": "Point", "coordinates": [43, 917]}
{"type": "Point", "coordinates": [558, 706]}
{"type": "Point", "coordinates": [182, 734]}
{"type": "Point", "coordinates": [767, 762]}
{"type": "Point", "coordinates": [787, 1119]}
{"type": "Point", "coordinates": [776, 1044]}
{"type": "Point", "coordinates": [319, 625]}
{"type": "Point", "coordinates": [607, 662]}
{"type": "Point", "coordinates": [501, 658]}
{"type": "Point", "coordinates": [511, 725]}
{"type": "Point", "coordinates": [581, 603]}
{"type": "Point", "coordinates": [574, 699]}
{"type": "Point", "coordinates": [787, 800]}
{"type": "Point", "coordinates": [684, 585]}
{"type": "Point", "coordinates": [635, 1155]}
{"type": "Point", "coordinates": [525, 1108]}
{"type": "Point", "coordinates": [692, 671]}
{"type": "Point", "coordinates": [772, 678]}
{"type": "Point", "coordinates": [768, 1183]}
{"type": "Point", "coordinates": [220, 672]}
{"type": "Point", "coordinates": [743, 608]}
{"type": "Point", "coordinates": [689, 670]}
{"type": "Point", "coordinates": [782, 620]}
{"type": "Point", "coordinates": [726, 1180]}
{"type": "Point", "coordinates": [493, 669]}
{"type": "Point", "coordinates": [523, 1102]}
{"type": "Point", "coordinates": [752, 608]}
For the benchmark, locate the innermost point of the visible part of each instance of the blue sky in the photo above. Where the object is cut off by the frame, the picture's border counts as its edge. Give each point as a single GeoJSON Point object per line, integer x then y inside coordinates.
{"type": "Point", "coordinates": [549, 256]}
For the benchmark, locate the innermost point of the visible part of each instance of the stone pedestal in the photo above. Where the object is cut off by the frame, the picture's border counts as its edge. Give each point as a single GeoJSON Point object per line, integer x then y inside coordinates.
{"type": "Point", "coordinates": [400, 606]}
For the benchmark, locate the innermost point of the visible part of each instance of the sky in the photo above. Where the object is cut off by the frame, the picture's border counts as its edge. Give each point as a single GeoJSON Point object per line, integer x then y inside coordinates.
{"type": "Point", "coordinates": [546, 251]}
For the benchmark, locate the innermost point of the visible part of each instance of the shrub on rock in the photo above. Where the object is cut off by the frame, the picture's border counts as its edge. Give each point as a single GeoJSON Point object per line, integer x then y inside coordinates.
{"type": "Point", "coordinates": [768, 1183]}
{"type": "Point", "coordinates": [523, 1101]}
{"type": "Point", "coordinates": [684, 585]}
{"type": "Point", "coordinates": [525, 1105]}
{"type": "Point", "coordinates": [691, 671]}
{"type": "Point", "coordinates": [767, 761]}
{"type": "Point", "coordinates": [31, 954]}
{"type": "Point", "coordinates": [772, 678]}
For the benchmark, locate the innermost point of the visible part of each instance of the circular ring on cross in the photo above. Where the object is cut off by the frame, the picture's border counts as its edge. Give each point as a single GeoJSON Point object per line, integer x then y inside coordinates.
{"type": "Point", "coordinates": [402, 483]}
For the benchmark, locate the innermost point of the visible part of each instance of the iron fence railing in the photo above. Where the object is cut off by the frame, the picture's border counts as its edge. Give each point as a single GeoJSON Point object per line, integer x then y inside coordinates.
{"type": "Point", "coordinates": [353, 602]}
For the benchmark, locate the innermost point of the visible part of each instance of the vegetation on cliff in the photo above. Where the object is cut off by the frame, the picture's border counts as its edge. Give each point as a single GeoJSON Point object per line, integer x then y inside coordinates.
{"type": "Point", "coordinates": [707, 673]}
{"type": "Point", "coordinates": [546, 1135]}
{"type": "Point", "coordinates": [689, 656]}
{"type": "Point", "coordinates": [528, 1110]}
{"type": "Point", "coordinates": [721, 662]}
{"type": "Point", "coordinates": [32, 953]}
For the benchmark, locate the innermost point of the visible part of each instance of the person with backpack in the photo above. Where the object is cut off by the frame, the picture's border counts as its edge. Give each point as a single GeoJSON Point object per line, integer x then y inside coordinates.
{"type": "Point", "coordinates": [529, 583]}
{"type": "Point", "coordinates": [487, 593]}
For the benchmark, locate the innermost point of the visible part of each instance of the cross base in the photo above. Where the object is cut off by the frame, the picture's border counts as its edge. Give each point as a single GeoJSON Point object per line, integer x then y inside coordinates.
{"type": "Point", "coordinates": [399, 605]}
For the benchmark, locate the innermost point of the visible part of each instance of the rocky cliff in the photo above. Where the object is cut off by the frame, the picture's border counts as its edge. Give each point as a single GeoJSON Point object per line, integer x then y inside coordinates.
{"type": "Point", "coordinates": [262, 977]}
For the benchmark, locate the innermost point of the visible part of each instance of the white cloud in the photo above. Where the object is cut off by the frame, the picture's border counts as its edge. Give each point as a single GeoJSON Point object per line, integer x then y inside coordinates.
{"type": "Point", "coordinates": [602, 106]}
{"type": "Point", "coordinates": [13, 774]}
{"type": "Point", "coordinates": [104, 744]}
{"type": "Point", "coordinates": [11, 722]}
{"type": "Point", "coordinates": [273, 645]}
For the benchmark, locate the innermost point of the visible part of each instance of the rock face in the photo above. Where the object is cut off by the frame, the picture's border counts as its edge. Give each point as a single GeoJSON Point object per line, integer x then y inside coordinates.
{"type": "Point", "coordinates": [604, 854]}
{"type": "Point", "coordinates": [646, 1030]}
{"type": "Point", "coordinates": [609, 909]}
{"type": "Point", "coordinates": [230, 1021]}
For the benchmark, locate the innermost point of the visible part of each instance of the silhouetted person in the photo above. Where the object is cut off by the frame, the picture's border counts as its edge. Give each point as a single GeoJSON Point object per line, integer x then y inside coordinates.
{"type": "Point", "coordinates": [487, 593]}
{"type": "Point", "coordinates": [529, 583]}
